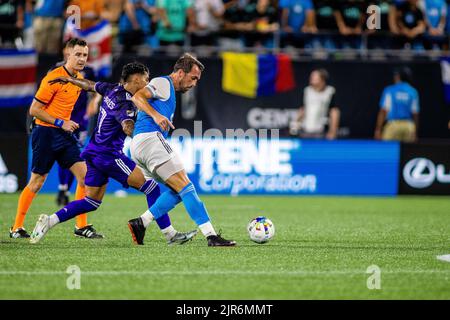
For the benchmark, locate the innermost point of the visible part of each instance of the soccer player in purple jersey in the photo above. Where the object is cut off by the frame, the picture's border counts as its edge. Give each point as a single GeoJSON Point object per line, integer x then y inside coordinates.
{"type": "Point", "coordinates": [104, 156]}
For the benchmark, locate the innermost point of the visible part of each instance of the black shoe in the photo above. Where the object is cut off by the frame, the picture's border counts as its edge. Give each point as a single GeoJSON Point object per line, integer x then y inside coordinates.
{"type": "Point", "coordinates": [88, 232]}
{"type": "Point", "coordinates": [18, 233]}
{"type": "Point", "coordinates": [137, 230]}
{"type": "Point", "coordinates": [62, 199]}
{"type": "Point", "coordinates": [218, 241]}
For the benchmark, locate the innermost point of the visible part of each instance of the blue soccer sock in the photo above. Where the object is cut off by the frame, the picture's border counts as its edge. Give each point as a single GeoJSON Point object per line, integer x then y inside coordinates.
{"type": "Point", "coordinates": [194, 205]}
{"type": "Point", "coordinates": [75, 208]}
{"type": "Point", "coordinates": [164, 221]}
{"type": "Point", "coordinates": [166, 202]}
{"type": "Point", "coordinates": [152, 190]}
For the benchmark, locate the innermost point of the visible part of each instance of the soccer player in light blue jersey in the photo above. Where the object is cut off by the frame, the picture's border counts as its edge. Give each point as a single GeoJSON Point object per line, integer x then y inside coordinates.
{"type": "Point", "coordinates": [151, 151]}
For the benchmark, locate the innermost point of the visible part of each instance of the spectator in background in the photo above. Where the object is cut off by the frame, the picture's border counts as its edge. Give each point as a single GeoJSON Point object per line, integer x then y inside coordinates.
{"type": "Point", "coordinates": [176, 17]}
{"type": "Point", "coordinates": [207, 22]}
{"type": "Point", "coordinates": [319, 109]}
{"type": "Point", "coordinates": [378, 39]}
{"type": "Point", "coordinates": [136, 23]}
{"type": "Point", "coordinates": [349, 16]}
{"type": "Point", "coordinates": [297, 19]}
{"type": "Point", "coordinates": [48, 25]}
{"type": "Point", "coordinates": [435, 19]}
{"type": "Point", "coordinates": [91, 12]}
{"type": "Point", "coordinates": [411, 24]}
{"type": "Point", "coordinates": [113, 10]}
{"type": "Point", "coordinates": [326, 23]}
{"type": "Point", "coordinates": [28, 31]}
{"type": "Point", "coordinates": [238, 22]}
{"type": "Point", "coordinates": [399, 108]}
{"type": "Point", "coordinates": [11, 21]}
{"type": "Point", "coordinates": [265, 19]}
{"type": "Point", "coordinates": [435, 16]}
{"type": "Point", "coordinates": [394, 26]}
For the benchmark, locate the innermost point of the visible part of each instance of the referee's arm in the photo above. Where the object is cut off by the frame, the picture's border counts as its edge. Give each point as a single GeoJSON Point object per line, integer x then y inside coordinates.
{"type": "Point", "coordinates": [37, 110]}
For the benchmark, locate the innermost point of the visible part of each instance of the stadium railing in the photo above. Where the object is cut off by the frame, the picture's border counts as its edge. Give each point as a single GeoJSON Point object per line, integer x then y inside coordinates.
{"type": "Point", "coordinates": [373, 46]}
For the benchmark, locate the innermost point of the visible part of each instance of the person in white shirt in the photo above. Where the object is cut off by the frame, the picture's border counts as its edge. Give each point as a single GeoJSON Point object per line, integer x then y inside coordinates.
{"type": "Point", "coordinates": [208, 20]}
{"type": "Point", "coordinates": [319, 111]}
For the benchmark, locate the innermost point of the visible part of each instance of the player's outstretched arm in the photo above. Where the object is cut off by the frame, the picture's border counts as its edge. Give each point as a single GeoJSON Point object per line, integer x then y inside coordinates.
{"type": "Point", "coordinates": [84, 84]}
{"type": "Point", "coordinates": [140, 99]}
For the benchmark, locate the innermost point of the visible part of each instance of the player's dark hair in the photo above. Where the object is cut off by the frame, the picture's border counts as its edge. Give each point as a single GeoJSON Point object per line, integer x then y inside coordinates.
{"type": "Point", "coordinates": [66, 43]}
{"type": "Point", "coordinates": [323, 74]}
{"type": "Point", "coordinates": [133, 68]}
{"type": "Point", "coordinates": [186, 62]}
{"type": "Point", "coordinates": [71, 43]}
{"type": "Point", "coordinates": [404, 73]}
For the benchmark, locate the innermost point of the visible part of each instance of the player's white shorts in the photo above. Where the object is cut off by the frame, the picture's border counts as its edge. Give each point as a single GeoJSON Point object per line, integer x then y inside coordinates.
{"type": "Point", "coordinates": [153, 154]}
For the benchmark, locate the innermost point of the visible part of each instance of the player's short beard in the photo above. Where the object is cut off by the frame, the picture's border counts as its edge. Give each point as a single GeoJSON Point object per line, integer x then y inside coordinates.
{"type": "Point", "coordinates": [182, 88]}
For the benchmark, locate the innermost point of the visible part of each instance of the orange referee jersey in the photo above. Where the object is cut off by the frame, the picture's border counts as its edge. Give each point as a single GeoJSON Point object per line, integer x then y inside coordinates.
{"type": "Point", "coordinates": [59, 99]}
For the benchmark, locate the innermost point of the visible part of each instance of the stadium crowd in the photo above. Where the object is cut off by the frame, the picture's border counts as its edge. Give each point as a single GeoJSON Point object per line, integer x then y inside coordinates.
{"type": "Point", "coordinates": [234, 24]}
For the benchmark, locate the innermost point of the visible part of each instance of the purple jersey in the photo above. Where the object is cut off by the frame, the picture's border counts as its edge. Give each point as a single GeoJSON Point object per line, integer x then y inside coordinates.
{"type": "Point", "coordinates": [115, 109]}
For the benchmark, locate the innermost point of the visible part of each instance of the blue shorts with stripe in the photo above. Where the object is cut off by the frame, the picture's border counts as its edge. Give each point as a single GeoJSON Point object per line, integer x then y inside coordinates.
{"type": "Point", "coordinates": [53, 144]}
{"type": "Point", "coordinates": [104, 165]}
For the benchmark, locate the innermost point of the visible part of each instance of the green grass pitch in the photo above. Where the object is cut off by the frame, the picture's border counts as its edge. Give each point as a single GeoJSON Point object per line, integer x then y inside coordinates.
{"type": "Point", "coordinates": [321, 250]}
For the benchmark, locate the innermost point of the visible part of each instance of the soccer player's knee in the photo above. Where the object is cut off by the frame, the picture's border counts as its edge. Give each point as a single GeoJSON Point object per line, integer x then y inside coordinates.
{"type": "Point", "coordinates": [80, 181]}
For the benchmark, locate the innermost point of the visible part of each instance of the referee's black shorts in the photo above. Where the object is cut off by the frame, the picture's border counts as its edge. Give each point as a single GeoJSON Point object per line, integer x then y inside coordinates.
{"type": "Point", "coordinates": [53, 144]}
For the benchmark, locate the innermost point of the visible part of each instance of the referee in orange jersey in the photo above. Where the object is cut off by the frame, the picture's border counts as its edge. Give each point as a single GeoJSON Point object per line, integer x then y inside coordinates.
{"type": "Point", "coordinates": [52, 138]}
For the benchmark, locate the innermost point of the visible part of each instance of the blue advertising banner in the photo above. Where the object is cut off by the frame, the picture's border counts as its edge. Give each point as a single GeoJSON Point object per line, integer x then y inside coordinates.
{"type": "Point", "coordinates": [291, 166]}
{"type": "Point", "coordinates": [285, 166]}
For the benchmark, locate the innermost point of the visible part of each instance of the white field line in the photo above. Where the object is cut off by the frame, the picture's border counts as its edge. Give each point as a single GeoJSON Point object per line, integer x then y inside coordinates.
{"type": "Point", "coordinates": [215, 273]}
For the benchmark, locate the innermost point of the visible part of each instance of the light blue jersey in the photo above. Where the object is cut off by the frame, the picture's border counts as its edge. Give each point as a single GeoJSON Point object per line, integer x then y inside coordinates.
{"type": "Point", "coordinates": [52, 9]}
{"type": "Point", "coordinates": [434, 11]}
{"type": "Point", "coordinates": [298, 10]}
{"type": "Point", "coordinates": [400, 101]}
{"type": "Point", "coordinates": [163, 101]}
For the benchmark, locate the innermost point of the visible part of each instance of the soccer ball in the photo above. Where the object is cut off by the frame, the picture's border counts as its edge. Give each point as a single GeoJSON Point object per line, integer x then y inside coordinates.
{"type": "Point", "coordinates": [261, 229]}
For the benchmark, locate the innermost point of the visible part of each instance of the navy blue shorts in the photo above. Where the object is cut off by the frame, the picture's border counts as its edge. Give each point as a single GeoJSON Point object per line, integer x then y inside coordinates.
{"type": "Point", "coordinates": [53, 144]}
{"type": "Point", "coordinates": [101, 166]}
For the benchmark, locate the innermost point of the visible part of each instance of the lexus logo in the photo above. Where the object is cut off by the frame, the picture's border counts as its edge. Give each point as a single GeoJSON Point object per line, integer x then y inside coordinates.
{"type": "Point", "coordinates": [421, 173]}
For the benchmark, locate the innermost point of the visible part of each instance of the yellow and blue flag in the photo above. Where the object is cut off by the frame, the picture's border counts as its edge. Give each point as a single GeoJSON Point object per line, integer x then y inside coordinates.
{"type": "Point", "coordinates": [251, 75]}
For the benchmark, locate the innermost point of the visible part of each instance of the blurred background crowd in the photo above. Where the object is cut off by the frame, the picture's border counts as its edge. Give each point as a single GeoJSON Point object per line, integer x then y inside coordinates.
{"type": "Point", "coordinates": [415, 25]}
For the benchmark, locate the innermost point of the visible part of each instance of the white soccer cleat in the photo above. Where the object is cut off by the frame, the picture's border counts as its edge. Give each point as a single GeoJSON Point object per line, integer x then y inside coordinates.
{"type": "Point", "coordinates": [41, 228]}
